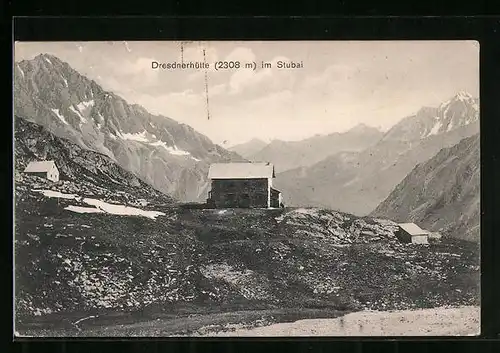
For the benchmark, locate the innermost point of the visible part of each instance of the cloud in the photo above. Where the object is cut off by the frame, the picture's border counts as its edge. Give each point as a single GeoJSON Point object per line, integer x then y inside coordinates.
{"type": "Point", "coordinates": [196, 76]}
{"type": "Point", "coordinates": [243, 78]}
{"type": "Point", "coordinates": [131, 75]}
{"type": "Point", "coordinates": [241, 54]}
{"type": "Point", "coordinates": [140, 65]}
{"type": "Point", "coordinates": [218, 89]}
{"type": "Point", "coordinates": [197, 52]}
{"type": "Point", "coordinates": [262, 81]}
{"type": "Point", "coordinates": [332, 74]}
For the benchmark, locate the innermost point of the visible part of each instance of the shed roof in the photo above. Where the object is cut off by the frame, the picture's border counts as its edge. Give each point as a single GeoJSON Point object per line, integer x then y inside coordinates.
{"type": "Point", "coordinates": [412, 229]}
{"type": "Point", "coordinates": [39, 167]}
{"type": "Point", "coordinates": [251, 170]}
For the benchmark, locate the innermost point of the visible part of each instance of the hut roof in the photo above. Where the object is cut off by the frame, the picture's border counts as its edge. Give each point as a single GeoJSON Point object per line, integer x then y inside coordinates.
{"type": "Point", "coordinates": [252, 170]}
{"type": "Point", "coordinates": [412, 229]}
{"type": "Point", "coordinates": [39, 167]}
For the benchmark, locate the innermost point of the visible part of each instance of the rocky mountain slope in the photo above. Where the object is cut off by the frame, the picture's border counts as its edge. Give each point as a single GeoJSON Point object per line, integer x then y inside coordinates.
{"type": "Point", "coordinates": [358, 182]}
{"type": "Point", "coordinates": [441, 194]}
{"type": "Point", "coordinates": [172, 157]}
{"type": "Point", "coordinates": [248, 148]}
{"type": "Point", "coordinates": [85, 172]}
{"type": "Point", "coordinates": [286, 155]}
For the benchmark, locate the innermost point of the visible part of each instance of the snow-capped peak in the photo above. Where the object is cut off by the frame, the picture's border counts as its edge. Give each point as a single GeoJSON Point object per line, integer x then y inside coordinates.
{"type": "Point", "coordinates": [463, 95]}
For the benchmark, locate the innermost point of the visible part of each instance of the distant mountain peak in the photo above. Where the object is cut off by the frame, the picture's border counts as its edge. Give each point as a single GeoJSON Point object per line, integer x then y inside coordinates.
{"type": "Point", "coordinates": [48, 58]}
{"type": "Point", "coordinates": [461, 95]}
{"type": "Point", "coordinates": [362, 127]}
{"type": "Point", "coordinates": [460, 110]}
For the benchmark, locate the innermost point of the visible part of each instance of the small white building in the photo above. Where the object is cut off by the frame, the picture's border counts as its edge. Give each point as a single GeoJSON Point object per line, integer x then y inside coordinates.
{"type": "Point", "coordinates": [44, 169]}
{"type": "Point", "coordinates": [411, 233]}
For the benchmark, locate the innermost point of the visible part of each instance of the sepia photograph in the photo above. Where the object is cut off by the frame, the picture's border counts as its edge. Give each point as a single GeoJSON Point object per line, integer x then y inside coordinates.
{"type": "Point", "coordinates": [246, 188]}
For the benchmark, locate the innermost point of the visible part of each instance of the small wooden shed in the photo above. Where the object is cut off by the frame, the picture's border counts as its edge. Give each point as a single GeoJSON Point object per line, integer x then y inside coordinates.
{"type": "Point", "coordinates": [44, 169]}
{"type": "Point", "coordinates": [411, 233]}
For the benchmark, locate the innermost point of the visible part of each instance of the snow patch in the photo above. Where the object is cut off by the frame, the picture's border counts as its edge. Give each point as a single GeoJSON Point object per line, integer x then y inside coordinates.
{"type": "Point", "coordinates": [445, 113]}
{"type": "Point", "coordinates": [47, 60]}
{"type": "Point", "coordinates": [58, 114]}
{"type": "Point", "coordinates": [172, 150]}
{"type": "Point", "coordinates": [305, 211]}
{"type": "Point", "coordinates": [79, 209]}
{"type": "Point", "coordinates": [78, 113]}
{"type": "Point", "coordinates": [57, 194]}
{"type": "Point", "coordinates": [85, 105]}
{"type": "Point", "coordinates": [100, 206]}
{"type": "Point", "coordinates": [140, 136]}
{"type": "Point", "coordinates": [450, 126]}
{"type": "Point", "coordinates": [65, 81]}
{"type": "Point", "coordinates": [463, 96]}
{"type": "Point", "coordinates": [445, 103]}
{"type": "Point", "coordinates": [122, 209]}
{"type": "Point", "coordinates": [20, 70]}
{"type": "Point", "coordinates": [435, 128]}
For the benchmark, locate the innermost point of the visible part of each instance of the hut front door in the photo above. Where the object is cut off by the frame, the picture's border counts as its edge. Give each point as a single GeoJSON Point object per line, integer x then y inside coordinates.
{"type": "Point", "coordinates": [245, 201]}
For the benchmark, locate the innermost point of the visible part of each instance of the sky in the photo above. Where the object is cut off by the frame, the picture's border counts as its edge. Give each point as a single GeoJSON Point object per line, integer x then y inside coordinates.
{"type": "Point", "coordinates": [341, 84]}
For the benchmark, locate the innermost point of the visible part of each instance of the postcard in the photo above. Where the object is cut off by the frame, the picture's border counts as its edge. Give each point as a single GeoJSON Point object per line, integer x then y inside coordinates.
{"type": "Point", "coordinates": [246, 188]}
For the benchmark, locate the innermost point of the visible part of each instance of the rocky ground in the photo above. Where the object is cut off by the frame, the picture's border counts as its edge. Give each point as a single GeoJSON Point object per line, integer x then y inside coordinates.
{"type": "Point", "coordinates": [78, 270]}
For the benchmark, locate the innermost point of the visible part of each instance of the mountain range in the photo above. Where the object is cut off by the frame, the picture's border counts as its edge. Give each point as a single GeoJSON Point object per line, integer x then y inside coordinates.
{"type": "Point", "coordinates": [249, 148]}
{"type": "Point", "coordinates": [286, 155]}
{"type": "Point", "coordinates": [357, 182]}
{"type": "Point", "coordinates": [441, 194]}
{"type": "Point", "coordinates": [170, 156]}
{"type": "Point", "coordinates": [352, 171]}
